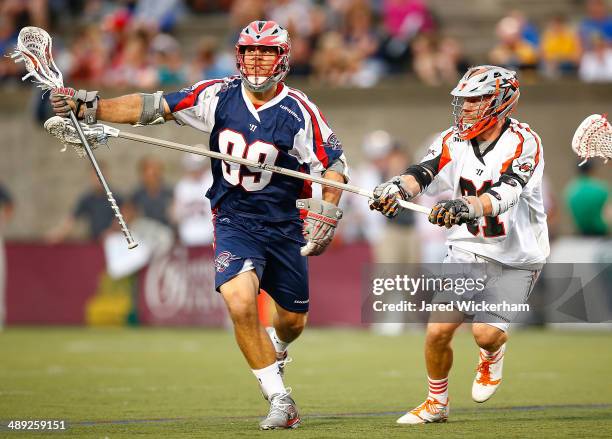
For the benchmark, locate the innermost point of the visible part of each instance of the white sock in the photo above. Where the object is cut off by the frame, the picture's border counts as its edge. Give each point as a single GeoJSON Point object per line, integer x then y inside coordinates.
{"type": "Point", "coordinates": [491, 356]}
{"type": "Point", "coordinates": [270, 379]}
{"type": "Point", "coordinates": [438, 389]}
{"type": "Point", "coordinates": [279, 345]}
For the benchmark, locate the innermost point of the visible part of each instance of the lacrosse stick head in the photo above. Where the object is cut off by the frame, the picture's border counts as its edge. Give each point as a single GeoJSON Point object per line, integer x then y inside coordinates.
{"type": "Point", "coordinates": [34, 48]}
{"type": "Point", "coordinates": [62, 129]}
{"type": "Point", "coordinates": [593, 138]}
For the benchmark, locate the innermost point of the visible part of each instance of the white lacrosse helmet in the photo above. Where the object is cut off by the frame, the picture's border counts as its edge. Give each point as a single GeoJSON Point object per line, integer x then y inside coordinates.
{"type": "Point", "coordinates": [498, 90]}
{"type": "Point", "coordinates": [259, 78]}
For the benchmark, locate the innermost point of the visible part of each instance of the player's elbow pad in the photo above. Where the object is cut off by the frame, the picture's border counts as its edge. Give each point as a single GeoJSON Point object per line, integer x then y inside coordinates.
{"type": "Point", "coordinates": [152, 112]}
{"type": "Point", "coordinates": [340, 166]}
{"type": "Point", "coordinates": [421, 173]}
{"type": "Point", "coordinates": [504, 194]}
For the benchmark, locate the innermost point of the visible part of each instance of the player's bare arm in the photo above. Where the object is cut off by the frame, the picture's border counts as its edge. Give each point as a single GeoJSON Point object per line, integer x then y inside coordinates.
{"type": "Point", "coordinates": [136, 108]}
{"type": "Point", "coordinates": [330, 194]}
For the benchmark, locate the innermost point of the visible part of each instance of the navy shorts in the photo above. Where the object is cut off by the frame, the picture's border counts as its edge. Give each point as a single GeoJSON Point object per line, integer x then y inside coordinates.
{"type": "Point", "coordinates": [274, 250]}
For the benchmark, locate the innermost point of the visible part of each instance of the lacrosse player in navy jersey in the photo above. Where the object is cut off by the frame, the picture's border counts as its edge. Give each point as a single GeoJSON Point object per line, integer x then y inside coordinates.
{"type": "Point", "coordinates": [261, 238]}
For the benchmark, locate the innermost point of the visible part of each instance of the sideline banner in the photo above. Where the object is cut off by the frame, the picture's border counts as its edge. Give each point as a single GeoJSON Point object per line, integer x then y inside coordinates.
{"type": "Point", "coordinates": [52, 284]}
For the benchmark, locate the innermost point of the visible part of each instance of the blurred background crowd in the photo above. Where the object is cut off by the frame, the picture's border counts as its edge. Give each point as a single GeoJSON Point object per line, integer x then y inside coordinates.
{"type": "Point", "coordinates": [151, 44]}
{"type": "Point", "coordinates": [159, 43]}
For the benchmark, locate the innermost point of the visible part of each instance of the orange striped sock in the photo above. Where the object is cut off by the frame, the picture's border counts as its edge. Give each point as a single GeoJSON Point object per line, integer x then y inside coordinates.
{"type": "Point", "coordinates": [438, 389]}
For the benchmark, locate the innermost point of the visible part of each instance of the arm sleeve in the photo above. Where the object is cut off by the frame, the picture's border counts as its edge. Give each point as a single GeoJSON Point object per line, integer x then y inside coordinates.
{"type": "Point", "coordinates": [437, 162]}
{"type": "Point", "coordinates": [522, 165]}
{"type": "Point", "coordinates": [516, 172]}
{"type": "Point", "coordinates": [195, 106]}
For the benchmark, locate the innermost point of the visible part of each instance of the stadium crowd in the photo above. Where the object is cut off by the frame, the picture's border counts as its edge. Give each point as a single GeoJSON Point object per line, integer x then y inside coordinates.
{"type": "Point", "coordinates": [125, 43]}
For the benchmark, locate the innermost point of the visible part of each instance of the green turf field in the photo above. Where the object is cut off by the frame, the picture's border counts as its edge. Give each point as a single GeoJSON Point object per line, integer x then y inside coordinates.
{"type": "Point", "coordinates": [128, 383]}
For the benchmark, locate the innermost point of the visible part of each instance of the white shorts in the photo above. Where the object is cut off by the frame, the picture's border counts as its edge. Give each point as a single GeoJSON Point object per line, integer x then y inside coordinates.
{"type": "Point", "coordinates": [502, 284]}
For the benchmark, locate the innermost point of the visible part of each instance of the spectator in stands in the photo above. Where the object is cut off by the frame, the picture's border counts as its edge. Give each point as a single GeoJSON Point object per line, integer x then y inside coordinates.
{"type": "Point", "coordinates": [160, 15]}
{"type": "Point", "coordinates": [293, 15]}
{"type": "Point", "coordinates": [8, 40]}
{"type": "Point", "coordinates": [598, 22]}
{"type": "Point", "coordinates": [596, 62]}
{"type": "Point", "coordinates": [393, 240]}
{"type": "Point", "coordinates": [586, 197]}
{"type": "Point", "coordinates": [134, 68]}
{"type": "Point", "coordinates": [92, 207]}
{"type": "Point", "coordinates": [208, 6]}
{"type": "Point", "coordinates": [191, 209]}
{"type": "Point", "coordinates": [88, 56]}
{"type": "Point", "coordinates": [116, 27]}
{"type": "Point", "coordinates": [529, 31]}
{"type": "Point", "coordinates": [560, 48]}
{"type": "Point", "coordinates": [358, 223]}
{"type": "Point", "coordinates": [26, 12]}
{"type": "Point", "coordinates": [332, 63]}
{"type": "Point", "coordinates": [6, 212]}
{"type": "Point", "coordinates": [153, 198]}
{"type": "Point", "coordinates": [438, 62]}
{"type": "Point", "coordinates": [362, 42]}
{"type": "Point", "coordinates": [406, 19]}
{"type": "Point", "coordinates": [242, 13]}
{"type": "Point", "coordinates": [301, 55]}
{"type": "Point", "coordinates": [512, 50]}
{"type": "Point", "coordinates": [168, 61]}
{"type": "Point", "coordinates": [210, 63]}
{"type": "Point", "coordinates": [403, 20]}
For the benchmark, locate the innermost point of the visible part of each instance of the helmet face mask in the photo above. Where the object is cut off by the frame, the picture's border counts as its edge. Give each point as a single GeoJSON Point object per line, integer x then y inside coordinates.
{"type": "Point", "coordinates": [261, 68]}
{"type": "Point", "coordinates": [484, 96]}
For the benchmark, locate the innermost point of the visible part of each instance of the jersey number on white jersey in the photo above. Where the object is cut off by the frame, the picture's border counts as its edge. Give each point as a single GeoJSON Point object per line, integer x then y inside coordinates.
{"type": "Point", "coordinates": [493, 226]}
{"type": "Point", "coordinates": [251, 179]}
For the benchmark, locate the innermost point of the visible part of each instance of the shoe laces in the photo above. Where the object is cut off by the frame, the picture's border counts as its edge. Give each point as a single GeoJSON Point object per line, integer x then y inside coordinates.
{"type": "Point", "coordinates": [277, 406]}
{"type": "Point", "coordinates": [484, 369]}
{"type": "Point", "coordinates": [284, 362]}
{"type": "Point", "coordinates": [430, 406]}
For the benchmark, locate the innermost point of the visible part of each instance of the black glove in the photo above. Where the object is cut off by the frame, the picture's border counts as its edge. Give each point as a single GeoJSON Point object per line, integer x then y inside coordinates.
{"type": "Point", "coordinates": [450, 213]}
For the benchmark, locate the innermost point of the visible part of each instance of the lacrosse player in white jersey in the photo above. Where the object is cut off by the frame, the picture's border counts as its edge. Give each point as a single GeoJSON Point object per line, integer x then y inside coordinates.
{"type": "Point", "coordinates": [494, 165]}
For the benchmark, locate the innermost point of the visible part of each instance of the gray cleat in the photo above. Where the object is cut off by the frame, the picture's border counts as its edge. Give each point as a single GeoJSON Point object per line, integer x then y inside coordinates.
{"type": "Point", "coordinates": [283, 413]}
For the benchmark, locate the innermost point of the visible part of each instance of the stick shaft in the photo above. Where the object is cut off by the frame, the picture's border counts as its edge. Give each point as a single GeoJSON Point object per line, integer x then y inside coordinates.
{"type": "Point", "coordinates": [264, 167]}
{"type": "Point", "coordinates": [109, 194]}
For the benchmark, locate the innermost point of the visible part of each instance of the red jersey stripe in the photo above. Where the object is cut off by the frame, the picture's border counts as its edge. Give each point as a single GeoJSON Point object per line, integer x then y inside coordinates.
{"type": "Point", "coordinates": [190, 99]}
{"type": "Point", "coordinates": [318, 137]}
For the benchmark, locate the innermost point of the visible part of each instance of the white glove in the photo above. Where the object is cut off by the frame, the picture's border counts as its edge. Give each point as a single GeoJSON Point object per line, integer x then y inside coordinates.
{"type": "Point", "coordinates": [319, 225]}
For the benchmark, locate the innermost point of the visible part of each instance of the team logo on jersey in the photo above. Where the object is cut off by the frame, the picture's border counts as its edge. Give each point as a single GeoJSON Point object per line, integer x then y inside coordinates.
{"type": "Point", "coordinates": [228, 83]}
{"type": "Point", "coordinates": [222, 261]}
{"type": "Point", "coordinates": [333, 142]}
{"type": "Point", "coordinates": [526, 167]}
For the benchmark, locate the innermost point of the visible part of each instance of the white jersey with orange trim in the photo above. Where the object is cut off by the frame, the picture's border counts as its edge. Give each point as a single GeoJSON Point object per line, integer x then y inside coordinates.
{"type": "Point", "coordinates": [517, 237]}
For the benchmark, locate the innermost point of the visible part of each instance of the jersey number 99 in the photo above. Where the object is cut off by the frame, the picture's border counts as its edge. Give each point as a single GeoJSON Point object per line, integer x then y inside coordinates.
{"type": "Point", "coordinates": [251, 179]}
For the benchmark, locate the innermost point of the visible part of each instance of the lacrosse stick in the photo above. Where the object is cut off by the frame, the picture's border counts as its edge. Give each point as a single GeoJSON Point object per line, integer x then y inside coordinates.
{"type": "Point", "coordinates": [34, 50]}
{"type": "Point", "coordinates": [593, 138]}
{"type": "Point", "coordinates": [99, 134]}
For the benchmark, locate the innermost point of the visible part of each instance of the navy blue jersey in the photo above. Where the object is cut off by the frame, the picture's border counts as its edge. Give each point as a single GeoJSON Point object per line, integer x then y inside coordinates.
{"type": "Point", "coordinates": [288, 131]}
